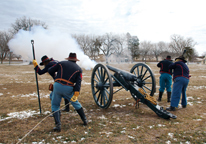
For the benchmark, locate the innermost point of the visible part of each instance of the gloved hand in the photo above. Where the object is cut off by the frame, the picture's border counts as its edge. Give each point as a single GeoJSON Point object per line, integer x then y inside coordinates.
{"type": "Point", "coordinates": [74, 98]}
{"type": "Point", "coordinates": [34, 63]}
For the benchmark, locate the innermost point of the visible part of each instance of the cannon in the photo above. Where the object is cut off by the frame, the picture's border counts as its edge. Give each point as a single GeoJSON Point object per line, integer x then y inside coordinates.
{"type": "Point", "coordinates": [140, 81]}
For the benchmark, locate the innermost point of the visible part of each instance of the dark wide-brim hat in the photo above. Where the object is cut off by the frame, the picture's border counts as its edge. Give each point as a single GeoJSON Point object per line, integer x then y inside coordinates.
{"type": "Point", "coordinates": [45, 59]}
{"type": "Point", "coordinates": [181, 58]}
{"type": "Point", "coordinates": [72, 57]}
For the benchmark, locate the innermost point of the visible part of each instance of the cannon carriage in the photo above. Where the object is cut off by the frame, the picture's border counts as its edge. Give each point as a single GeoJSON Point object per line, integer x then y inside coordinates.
{"type": "Point", "coordinates": [140, 81]}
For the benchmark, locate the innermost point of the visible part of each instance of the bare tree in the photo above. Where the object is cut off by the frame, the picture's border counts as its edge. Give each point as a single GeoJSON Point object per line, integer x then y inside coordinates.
{"type": "Point", "coordinates": [4, 49]}
{"type": "Point", "coordinates": [108, 47]}
{"type": "Point", "coordinates": [145, 47]}
{"type": "Point", "coordinates": [178, 43]}
{"type": "Point", "coordinates": [25, 24]}
{"type": "Point", "coordinates": [84, 42]}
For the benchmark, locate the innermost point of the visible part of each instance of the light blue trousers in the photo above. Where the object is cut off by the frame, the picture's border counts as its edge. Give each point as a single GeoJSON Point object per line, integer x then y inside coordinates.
{"type": "Point", "coordinates": [179, 87]}
{"type": "Point", "coordinates": [165, 82]}
{"type": "Point", "coordinates": [60, 91]}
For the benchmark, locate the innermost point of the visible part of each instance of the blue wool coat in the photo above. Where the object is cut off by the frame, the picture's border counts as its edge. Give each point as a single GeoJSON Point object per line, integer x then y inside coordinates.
{"type": "Point", "coordinates": [180, 70]}
{"type": "Point", "coordinates": [164, 66]}
{"type": "Point", "coordinates": [68, 73]}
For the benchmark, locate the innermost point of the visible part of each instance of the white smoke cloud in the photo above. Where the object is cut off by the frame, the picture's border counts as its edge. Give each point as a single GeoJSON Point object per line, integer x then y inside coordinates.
{"type": "Point", "coordinates": [50, 42]}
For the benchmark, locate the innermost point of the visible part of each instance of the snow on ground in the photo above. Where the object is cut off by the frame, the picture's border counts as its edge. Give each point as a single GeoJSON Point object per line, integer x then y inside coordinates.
{"type": "Point", "coordinates": [196, 87]}
{"type": "Point", "coordinates": [1, 94]}
{"type": "Point", "coordinates": [85, 83]}
{"type": "Point", "coordinates": [32, 95]}
{"type": "Point", "coordinates": [22, 114]}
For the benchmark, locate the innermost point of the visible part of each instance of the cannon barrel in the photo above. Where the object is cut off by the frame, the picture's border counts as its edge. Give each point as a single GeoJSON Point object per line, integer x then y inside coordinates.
{"type": "Point", "coordinates": [128, 76]}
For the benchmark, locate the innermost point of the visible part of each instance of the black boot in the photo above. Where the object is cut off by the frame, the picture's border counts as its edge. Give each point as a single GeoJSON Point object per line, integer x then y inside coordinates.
{"type": "Point", "coordinates": [170, 108]}
{"type": "Point", "coordinates": [66, 109]}
{"type": "Point", "coordinates": [168, 96]}
{"type": "Point", "coordinates": [82, 115]}
{"type": "Point", "coordinates": [160, 96]}
{"type": "Point", "coordinates": [57, 121]}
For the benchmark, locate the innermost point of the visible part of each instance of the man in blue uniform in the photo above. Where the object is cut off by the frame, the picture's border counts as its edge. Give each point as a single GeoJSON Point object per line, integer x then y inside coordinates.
{"type": "Point", "coordinates": [165, 79]}
{"type": "Point", "coordinates": [67, 84]}
{"type": "Point", "coordinates": [48, 62]}
{"type": "Point", "coordinates": [181, 80]}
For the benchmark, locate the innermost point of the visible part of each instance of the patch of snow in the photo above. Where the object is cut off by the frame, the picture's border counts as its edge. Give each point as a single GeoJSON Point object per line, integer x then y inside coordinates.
{"type": "Point", "coordinates": [82, 139]}
{"type": "Point", "coordinates": [1, 94]}
{"type": "Point", "coordinates": [131, 137]}
{"type": "Point", "coordinates": [168, 142]}
{"type": "Point", "coordinates": [85, 83]}
{"type": "Point", "coordinates": [22, 114]}
{"type": "Point", "coordinates": [4, 88]}
{"type": "Point", "coordinates": [116, 105]}
{"type": "Point", "coordinates": [203, 76]}
{"type": "Point", "coordinates": [123, 131]}
{"type": "Point", "coordinates": [59, 137]}
{"type": "Point", "coordinates": [102, 117]}
{"type": "Point", "coordinates": [199, 102]}
{"type": "Point", "coordinates": [151, 126]}
{"type": "Point", "coordinates": [170, 135]}
{"type": "Point", "coordinates": [188, 98]}
{"type": "Point", "coordinates": [28, 72]}
{"type": "Point", "coordinates": [160, 125]}
{"type": "Point", "coordinates": [190, 103]}
{"type": "Point", "coordinates": [32, 95]}
{"type": "Point", "coordinates": [107, 133]}
{"type": "Point", "coordinates": [175, 139]}
{"type": "Point", "coordinates": [197, 119]}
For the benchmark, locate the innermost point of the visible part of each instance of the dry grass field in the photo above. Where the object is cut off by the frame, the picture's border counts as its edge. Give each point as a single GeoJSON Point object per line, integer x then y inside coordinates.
{"type": "Point", "coordinates": [122, 122]}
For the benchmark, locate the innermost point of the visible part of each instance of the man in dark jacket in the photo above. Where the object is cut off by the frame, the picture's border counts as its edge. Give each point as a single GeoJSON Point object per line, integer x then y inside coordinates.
{"type": "Point", "coordinates": [165, 79]}
{"type": "Point", "coordinates": [181, 80]}
{"type": "Point", "coordinates": [48, 62]}
{"type": "Point", "coordinates": [67, 84]}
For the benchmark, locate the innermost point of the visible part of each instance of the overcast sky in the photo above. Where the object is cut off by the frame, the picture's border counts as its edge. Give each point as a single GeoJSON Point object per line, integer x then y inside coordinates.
{"type": "Point", "coordinates": [151, 20]}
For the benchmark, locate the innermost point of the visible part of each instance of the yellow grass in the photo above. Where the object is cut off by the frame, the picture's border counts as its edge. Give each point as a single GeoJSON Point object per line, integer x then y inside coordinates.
{"type": "Point", "coordinates": [121, 124]}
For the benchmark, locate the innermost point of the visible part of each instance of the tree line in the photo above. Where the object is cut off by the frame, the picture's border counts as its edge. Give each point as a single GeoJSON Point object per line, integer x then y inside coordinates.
{"type": "Point", "coordinates": [118, 45]}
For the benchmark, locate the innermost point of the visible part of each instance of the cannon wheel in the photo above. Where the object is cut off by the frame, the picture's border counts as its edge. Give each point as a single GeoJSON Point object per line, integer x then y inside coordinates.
{"type": "Point", "coordinates": [102, 86]}
{"type": "Point", "coordinates": [146, 79]}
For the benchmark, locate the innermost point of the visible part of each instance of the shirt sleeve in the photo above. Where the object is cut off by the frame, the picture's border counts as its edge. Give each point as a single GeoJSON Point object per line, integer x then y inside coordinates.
{"type": "Point", "coordinates": [78, 82]}
{"type": "Point", "coordinates": [39, 71]}
{"type": "Point", "coordinates": [53, 69]}
{"type": "Point", "coordinates": [159, 64]}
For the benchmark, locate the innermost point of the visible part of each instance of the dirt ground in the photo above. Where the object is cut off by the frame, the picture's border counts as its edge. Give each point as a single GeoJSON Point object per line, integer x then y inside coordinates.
{"type": "Point", "coordinates": [122, 122]}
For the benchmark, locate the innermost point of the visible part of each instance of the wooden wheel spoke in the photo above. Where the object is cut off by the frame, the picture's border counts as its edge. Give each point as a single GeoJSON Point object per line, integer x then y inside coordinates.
{"type": "Point", "coordinates": [147, 88]}
{"type": "Point", "coordinates": [147, 82]}
{"type": "Point", "coordinates": [144, 73]}
{"type": "Point", "coordinates": [138, 71]}
{"type": "Point", "coordinates": [95, 80]}
{"type": "Point", "coordinates": [98, 96]}
{"type": "Point", "coordinates": [96, 92]}
{"type": "Point", "coordinates": [106, 80]}
{"type": "Point", "coordinates": [146, 78]}
{"type": "Point", "coordinates": [141, 70]}
{"type": "Point", "coordinates": [97, 76]}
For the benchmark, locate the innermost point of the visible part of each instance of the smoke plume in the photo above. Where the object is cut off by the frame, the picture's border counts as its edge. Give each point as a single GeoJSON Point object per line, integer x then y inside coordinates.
{"type": "Point", "coordinates": [53, 43]}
